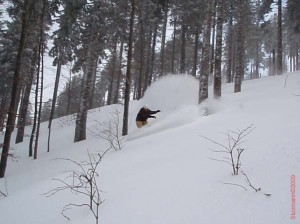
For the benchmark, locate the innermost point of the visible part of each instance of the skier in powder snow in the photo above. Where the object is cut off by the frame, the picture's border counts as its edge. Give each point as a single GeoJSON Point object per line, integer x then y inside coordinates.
{"type": "Point", "coordinates": [143, 115]}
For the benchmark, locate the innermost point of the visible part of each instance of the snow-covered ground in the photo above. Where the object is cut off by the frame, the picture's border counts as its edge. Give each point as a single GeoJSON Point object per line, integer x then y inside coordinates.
{"type": "Point", "coordinates": [167, 172]}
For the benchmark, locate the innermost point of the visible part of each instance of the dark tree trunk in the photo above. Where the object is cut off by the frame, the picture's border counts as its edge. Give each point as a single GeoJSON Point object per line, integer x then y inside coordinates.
{"type": "Point", "coordinates": [291, 57]}
{"type": "Point", "coordinates": [173, 47]}
{"type": "Point", "coordinates": [128, 72]}
{"type": "Point", "coordinates": [69, 92]}
{"type": "Point", "coordinates": [279, 55]}
{"type": "Point", "coordinates": [92, 94]}
{"type": "Point", "coordinates": [204, 73]}
{"type": "Point", "coordinates": [37, 103]}
{"type": "Point", "coordinates": [41, 88]}
{"type": "Point", "coordinates": [195, 58]}
{"type": "Point", "coordinates": [148, 64]}
{"type": "Point", "coordinates": [81, 118]}
{"type": "Point", "coordinates": [273, 62]}
{"type": "Point", "coordinates": [3, 110]}
{"type": "Point", "coordinates": [54, 98]}
{"type": "Point", "coordinates": [112, 72]}
{"type": "Point", "coordinates": [212, 50]}
{"type": "Point", "coordinates": [257, 44]}
{"type": "Point", "coordinates": [153, 53]}
{"type": "Point", "coordinates": [142, 56]}
{"type": "Point", "coordinates": [229, 51]}
{"type": "Point", "coordinates": [240, 48]}
{"type": "Point", "coordinates": [218, 53]}
{"type": "Point", "coordinates": [15, 86]}
{"type": "Point", "coordinates": [116, 97]}
{"type": "Point", "coordinates": [297, 58]}
{"type": "Point", "coordinates": [163, 41]}
{"type": "Point", "coordinates": [25, 102]}
{"type": "Point", "coordinates": [182, 49]}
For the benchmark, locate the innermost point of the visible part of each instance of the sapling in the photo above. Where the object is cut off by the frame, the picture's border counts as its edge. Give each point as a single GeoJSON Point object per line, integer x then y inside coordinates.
{"type": "Point", "coordinates": [82, 181]}
{"type": "Point", "coordinates": [234, 149]}
{"type": "Point", "coordinates": [109, 130]}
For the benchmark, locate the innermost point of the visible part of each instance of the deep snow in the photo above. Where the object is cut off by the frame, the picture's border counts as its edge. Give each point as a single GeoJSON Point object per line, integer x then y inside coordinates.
{"type": "Point", "coordinates": [165, 174]}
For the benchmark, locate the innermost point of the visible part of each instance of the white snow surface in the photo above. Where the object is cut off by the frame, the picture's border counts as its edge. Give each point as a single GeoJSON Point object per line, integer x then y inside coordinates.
{"type": "Point", "coordinates": [166, 172]}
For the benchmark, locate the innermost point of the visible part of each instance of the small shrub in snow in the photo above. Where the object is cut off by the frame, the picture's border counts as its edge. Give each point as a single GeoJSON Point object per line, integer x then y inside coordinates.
{"type": "Point", "coordinates": [82, 181]}
{"type": "Point", "coordinates": [109, 130]}
{"type": "Point", "coordinates": [233, 149]}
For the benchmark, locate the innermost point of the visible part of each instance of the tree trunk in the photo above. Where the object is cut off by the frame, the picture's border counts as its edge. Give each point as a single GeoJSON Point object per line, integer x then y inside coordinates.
{"type": "Point", "coordinates": [195, 58]}
{"type": "Point", "coordinates": [54, 98]}
{"type": "Point", "coordinates": [92, 94]}
{"type": "Point", "coordinates": [240, 48]}
{"type": "Point", "coordinates": [128, 72]}
{"type": "Point", "coordinates": [3, 111]}
{"type": "Point", "coordinates": [163, 41]}
{"type": "Point", "coordinates": [218, 53]}
{"type": "Point", "coordinates": [229, 51]}
{"type": "Point", "coordinates": [116, 97]}
{"type": "Point", "coordinates": [147, 72]}
{"type": "Point", "coordinates": [13, 98]}
{"type": "Point", "coordinates": [212, 50]}
{"type": "Point", "coordinates": [112, 72]}
{"type": "Point", "coordinates": [273, 62]}
{"type": "Point", "coordinates": [297, 58]}
{"type": "Point", "coordinates": [142, 56]}
{"type": "Point", "coordinates": [182, 49]}
{"type": "Point", "coordinates": [173, 47]}
{"type": "Point", "coordinates": [69, 91]}
{"type": "Point", "coordinates": [204, 73]}
{"type": "Point", "coordinates": [291, 57]}
{"type": "Point", "coordinates": [42, 85]}
{"type": "Point", "coordinates": [81, 118]}
{"type": "Point", "coordinates": [153, 53]}
{"type": "Point", "coordinates": [279, 55]}
{"type": "Point", "coordinates": [257, 44]}
{"type": "Point", "coordinates": [25, 102]}
{"type": "Point", "coordinates": [37, 104]}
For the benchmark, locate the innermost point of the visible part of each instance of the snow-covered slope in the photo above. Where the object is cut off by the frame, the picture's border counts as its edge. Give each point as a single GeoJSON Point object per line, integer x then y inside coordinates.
{"type": "Point", "coordinates": [166, 172]}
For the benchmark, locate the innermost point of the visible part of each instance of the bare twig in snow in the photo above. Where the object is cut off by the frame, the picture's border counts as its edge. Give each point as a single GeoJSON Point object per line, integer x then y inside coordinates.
{"type": "Point", "coordinates": [82, 181]}
{"type": "Point", "coordinates": [248, 182]}
{"type": "Point", "coordinates": [237, 185]}
{"type": "Point", "coordinates": [110, 130]}
{"type": "Point", "coordinates": [233, 149]}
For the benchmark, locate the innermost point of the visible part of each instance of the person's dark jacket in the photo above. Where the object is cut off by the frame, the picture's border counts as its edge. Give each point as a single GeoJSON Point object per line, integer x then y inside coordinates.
{"type": "Point", "coordinates": [145, 113]}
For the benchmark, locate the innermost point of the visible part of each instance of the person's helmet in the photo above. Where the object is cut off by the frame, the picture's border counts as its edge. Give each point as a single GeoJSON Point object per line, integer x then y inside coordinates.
{"type": "Point", "coordinates": [146, 106]}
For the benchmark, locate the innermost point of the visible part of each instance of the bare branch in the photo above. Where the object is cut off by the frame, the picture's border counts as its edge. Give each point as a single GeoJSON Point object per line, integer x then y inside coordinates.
{"type": "Point", "coordinates": [219, 151]}
{"type": "Point", "coordinates": [220, 160]}
{"type": "Point", "coordinates": [217, 143]}
{"type": "Point", "coordinates": [235, 139]}
{"type": "Point", "coordinates": [82, 181]}
{"type": "Point", "coordinates": [248, 181]}
{"type": "Point", "coordinates": [238, 185]}
{"type": "Point", "coordinates": [109, 130]}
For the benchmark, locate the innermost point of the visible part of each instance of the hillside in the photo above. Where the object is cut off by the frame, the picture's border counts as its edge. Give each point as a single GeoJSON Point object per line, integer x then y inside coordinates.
{"type": "Point", "coordinates": [167, 172]}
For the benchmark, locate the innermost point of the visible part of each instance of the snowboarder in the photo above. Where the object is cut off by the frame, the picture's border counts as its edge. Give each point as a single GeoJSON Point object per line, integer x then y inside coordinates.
{"type": "Point", "coordinates": [143, 115]}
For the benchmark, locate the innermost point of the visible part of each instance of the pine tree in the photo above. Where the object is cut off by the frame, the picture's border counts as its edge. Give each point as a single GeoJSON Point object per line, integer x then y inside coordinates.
{"type": "Point", "coordinates": [13, 99]}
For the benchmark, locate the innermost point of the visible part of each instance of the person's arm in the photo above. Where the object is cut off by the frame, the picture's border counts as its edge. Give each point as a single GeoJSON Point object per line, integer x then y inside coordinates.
{"type": "Point", "coordinates": [154, 112]}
